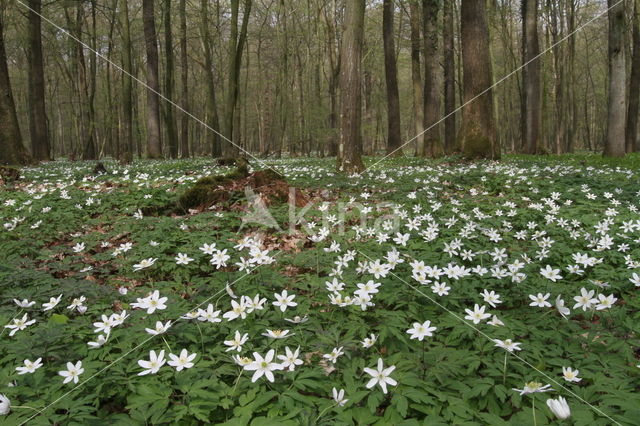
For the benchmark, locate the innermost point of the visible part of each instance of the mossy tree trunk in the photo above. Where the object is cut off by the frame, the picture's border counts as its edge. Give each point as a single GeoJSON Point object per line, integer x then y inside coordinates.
{"type": "Point", "coordinates": [477, 135]}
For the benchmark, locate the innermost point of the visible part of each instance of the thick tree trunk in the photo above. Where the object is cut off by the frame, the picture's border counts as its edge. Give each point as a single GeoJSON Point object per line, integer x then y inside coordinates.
{"type": "Point", "coordinates": [215, 142]}
{"type": "Point", "coordinates": [169, 83]}
{"type": "Point", "coordinates": [477, 135]}
{"type": "Point", "coordinates": [432, 98]}
{"type": "Point", "coordinates": [631, 144]}
{"type": "Point", "coordinates": [531, 107]}
{"type": "Point", "coordinates": [416, 75]}
{"type": "Point", "coordinates": [184, 82]}
{"type": "Point", "coordinates": [391, 77]}
{"type": "Point", "coordinates": [37, 109]}
{"type": "Point", "coordinates": [615, 141]}
{"type": "Point", "coordinates": [12, 151]}
{"type": "Point", "coordinates": [449, 79]}
{"type": "Point", "coordinates": [125, 151]}
{"type": "Point", "coordinates": [350, 146]}
{"type": "Point", "coordinates": [154, 147]}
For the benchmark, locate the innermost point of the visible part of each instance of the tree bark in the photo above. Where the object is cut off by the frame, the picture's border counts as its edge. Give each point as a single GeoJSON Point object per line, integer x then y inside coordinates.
{"type": "Point", "coordinates": [334, 75]}
{"type": "Point", "coordinates": [631, 144]}
{"type": "Point", "coordinates": [531, 107]}
{"type": "Point", "coordinates": [154, 147]}
{"type": "Point", "coordinates": [125, 150]}
{"type": "Point", "coordinates": [416, 75]}
{"type": "Point", "coordinates": [12, 151]}
{"type": "Point", "coordinates": [615, 141]}
{"type": "Point", "coordinates": [449, 79]}
{"type": "Point", "coordinates": [350, 146]}
{"type": "Point", "coordinates": [433, 143]}
{"type": "Point", "coordinates": [169, 83]}
{"type": "Point", "coordinates": [236, 48]}
{"type": "Point", "coordinates": [213, 121]}
{"type": "Point", "coordinates": [184, 82]}
{"type": "Point", "coordinates": [391, 78]}
{"type": "Point", "coordinates": [477, 135]}
{"type": "Point", "coordinates": [37, 110]}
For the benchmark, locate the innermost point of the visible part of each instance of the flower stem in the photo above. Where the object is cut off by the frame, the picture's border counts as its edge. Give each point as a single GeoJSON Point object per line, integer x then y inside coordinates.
{"type": "Point", "coordinates": [324, 411]}
{"type": "Point", "coordinates": [504, 369]}
{"type": "Point", "coordinates": [24, 406]}
{"type": "Point", "coordinates": [533, 409]}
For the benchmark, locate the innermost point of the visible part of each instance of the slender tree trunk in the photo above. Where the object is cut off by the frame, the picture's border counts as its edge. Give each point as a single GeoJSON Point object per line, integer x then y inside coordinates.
{"type": "Point", "coordinates": [12, 151]}
{"type": "Point", "coordinates": [126, 148]}
{"type": "Point", "coordinates": [169, 83]}
{"type": "Point", "coordinates": [215, 142]}
{"type": "Point", "coordinates": [37, 109]}
{"type": "Point", "coordinates": [350, 146]}
{"type": "Point", "coordinates": [154, 147]}
{"type": "Point", "coordinates": [90, 151]}
{"type": "Point", "coordinates": [184, 82]}
{"type": "Point", "coordinates": [531, 107]}
{"type": "Point", "coordinates": [391, 77]}
{"type": "Point", "coordinates": [634, 92]}
{"type": "Point", "coordinates": [615, 142]}
{"type": "Point", "coordinates": [80, 80]}
{"type": "Point", "coordinates": [449, 79]}
{"type": "Point", "coordinates": [477, 135]}
{"type": "Point", "coordinates": [432, 98]}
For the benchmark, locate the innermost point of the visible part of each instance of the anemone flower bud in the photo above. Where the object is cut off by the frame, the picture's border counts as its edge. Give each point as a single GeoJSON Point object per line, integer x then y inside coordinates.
{"type": "Point", "coordinates": [559, 407]}
{"type": "Point", "coordinates": [5, 405]}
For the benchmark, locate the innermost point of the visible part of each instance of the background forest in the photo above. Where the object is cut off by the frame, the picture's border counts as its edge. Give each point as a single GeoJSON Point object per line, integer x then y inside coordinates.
{"type": "Point", "coordinates": [265, 73]}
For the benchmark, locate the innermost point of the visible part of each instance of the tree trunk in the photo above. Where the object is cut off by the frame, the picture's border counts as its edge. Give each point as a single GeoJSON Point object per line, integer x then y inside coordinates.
{"type": "Point", "coordinates": [215, 142]}
{"type": "Point", "coordinates": [477, 135]}
{"type": "Point", "coordinates": [169, 84]}
{"type": "Point", "coordinates": [391, 77]}
{"type": "Point", "coordinates": [154, 147]}
{"type": "Point", "coordinates": [634, 92]}
{"type": "Point", "coordinates": [449, 80]}
{"type": "Point", "coordinates": [12, 151]}
{"type": "Point", "coordinates": [236, 48]}
{"type": "Point", "coordinates": [615, 141]}
{"type": "Point", "coordinates": [37, 109]}
{"type": "Point", "coordinates": [531, 107]}
{"type": "Point", "coordinates": [184, 82]}
{"type": "Point", "coordinates": [125, 150]}
{"type": "Point", "coordinates": [350, 146]}
{"type": "Point", "coordinates": [333, 53]}
{"type": "Point", "coordinates": [416, 75]}
{"type": "Point", "coordinates": [433, 142]}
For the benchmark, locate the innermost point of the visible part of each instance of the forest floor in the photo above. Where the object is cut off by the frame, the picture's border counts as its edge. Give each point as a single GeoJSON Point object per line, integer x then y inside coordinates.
{"type": "Point", "coordinates": [479, 283]}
